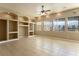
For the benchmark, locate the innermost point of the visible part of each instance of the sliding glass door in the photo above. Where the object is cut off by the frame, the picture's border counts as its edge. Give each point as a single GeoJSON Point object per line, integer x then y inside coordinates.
{"type": "Point", "coordinates": [59, 24]}
{"type": "Point", "coordinates": [73, 23]}
{"type": "Point", "coordinates": [47, 25]}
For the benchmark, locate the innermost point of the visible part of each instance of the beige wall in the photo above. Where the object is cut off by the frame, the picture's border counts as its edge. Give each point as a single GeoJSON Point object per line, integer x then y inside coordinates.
{"type": "Point", "coordinates": [66, 34]}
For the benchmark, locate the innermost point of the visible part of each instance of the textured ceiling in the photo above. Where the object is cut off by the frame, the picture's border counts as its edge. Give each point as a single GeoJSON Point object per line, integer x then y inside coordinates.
{"type": "Point", "coordinates": [33, 9]}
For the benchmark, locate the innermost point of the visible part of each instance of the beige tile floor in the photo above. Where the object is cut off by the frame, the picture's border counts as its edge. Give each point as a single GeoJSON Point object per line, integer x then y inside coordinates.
{"type": "Point", "coordinates": [40, 46]}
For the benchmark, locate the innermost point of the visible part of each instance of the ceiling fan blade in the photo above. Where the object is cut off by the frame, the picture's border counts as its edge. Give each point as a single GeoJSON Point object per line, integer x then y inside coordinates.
{"type": "Point", "coordinates": [47, 10]}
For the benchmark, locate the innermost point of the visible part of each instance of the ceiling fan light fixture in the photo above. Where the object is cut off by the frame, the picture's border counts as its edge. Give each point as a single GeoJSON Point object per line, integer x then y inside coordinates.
{"type": "Point", "coordinates": [43, 11]}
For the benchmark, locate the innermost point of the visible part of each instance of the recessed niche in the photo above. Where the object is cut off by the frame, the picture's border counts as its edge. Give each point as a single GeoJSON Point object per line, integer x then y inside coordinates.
{"type": "Point", "coordinates": [3, 30]}
{"type": "Point", "coordinates": [12, 26]}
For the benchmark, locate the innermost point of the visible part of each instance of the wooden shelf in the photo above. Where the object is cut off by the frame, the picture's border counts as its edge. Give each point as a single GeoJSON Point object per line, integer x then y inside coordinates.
{"type": "Point", "coordinates": [31, 30]}
{"type": "Point", "coordinates": [24, 21]}
{"type": "Point", "coordinates": [23, 25]}
{"type": "Point", "coordinates": [12, 20]}
{"type": "Point", "coordinates": [32, 22]}
{"type": "Point", "coordinates": [13, 32]}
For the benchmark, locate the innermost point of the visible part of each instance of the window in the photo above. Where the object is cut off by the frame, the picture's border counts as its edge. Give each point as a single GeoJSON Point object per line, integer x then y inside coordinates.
{"type": "Point", "coordinates": [73, 23]}
{"type": "Point", "coordinates": [47, 25]}
{"type": "Point", "coordinates": [59, 24]}
{"type": "Point", "coordinates": [39, 26]}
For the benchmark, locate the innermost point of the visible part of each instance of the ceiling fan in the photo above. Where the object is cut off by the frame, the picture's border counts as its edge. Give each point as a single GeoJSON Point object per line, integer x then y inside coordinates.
{"type": "Point", "coordinates": [43, 11]}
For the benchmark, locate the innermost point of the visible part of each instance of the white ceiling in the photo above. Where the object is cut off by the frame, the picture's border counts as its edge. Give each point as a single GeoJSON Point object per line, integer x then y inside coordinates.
{"type": "Point", "coordinates": [33, 9]}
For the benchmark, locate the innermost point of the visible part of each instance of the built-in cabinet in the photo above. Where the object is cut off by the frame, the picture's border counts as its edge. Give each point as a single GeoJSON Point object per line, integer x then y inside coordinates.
{"type": "Point", "coordinates": [26, 27]}
{"type": "Point", "coordinates": [31, 27]}
{"type": "Point", "coordinates": [13, 27]}
{"type": "Point", "coordinates": [23, 26]}
{"type": "Point", "coordinates": [8, 27]}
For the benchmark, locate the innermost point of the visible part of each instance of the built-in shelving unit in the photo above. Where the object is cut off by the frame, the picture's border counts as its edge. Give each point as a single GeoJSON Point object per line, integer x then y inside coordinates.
{"type": "Point", "coordinates": [23, 26]}
{"type": "Point", "coordinates": [31, 28]}
{"type": "Point", "coordinates": [26, 27]}
{"type": "Point", "coordinates": [8, 26]}
{"type": "Point", "coordinates": [13, 27]}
